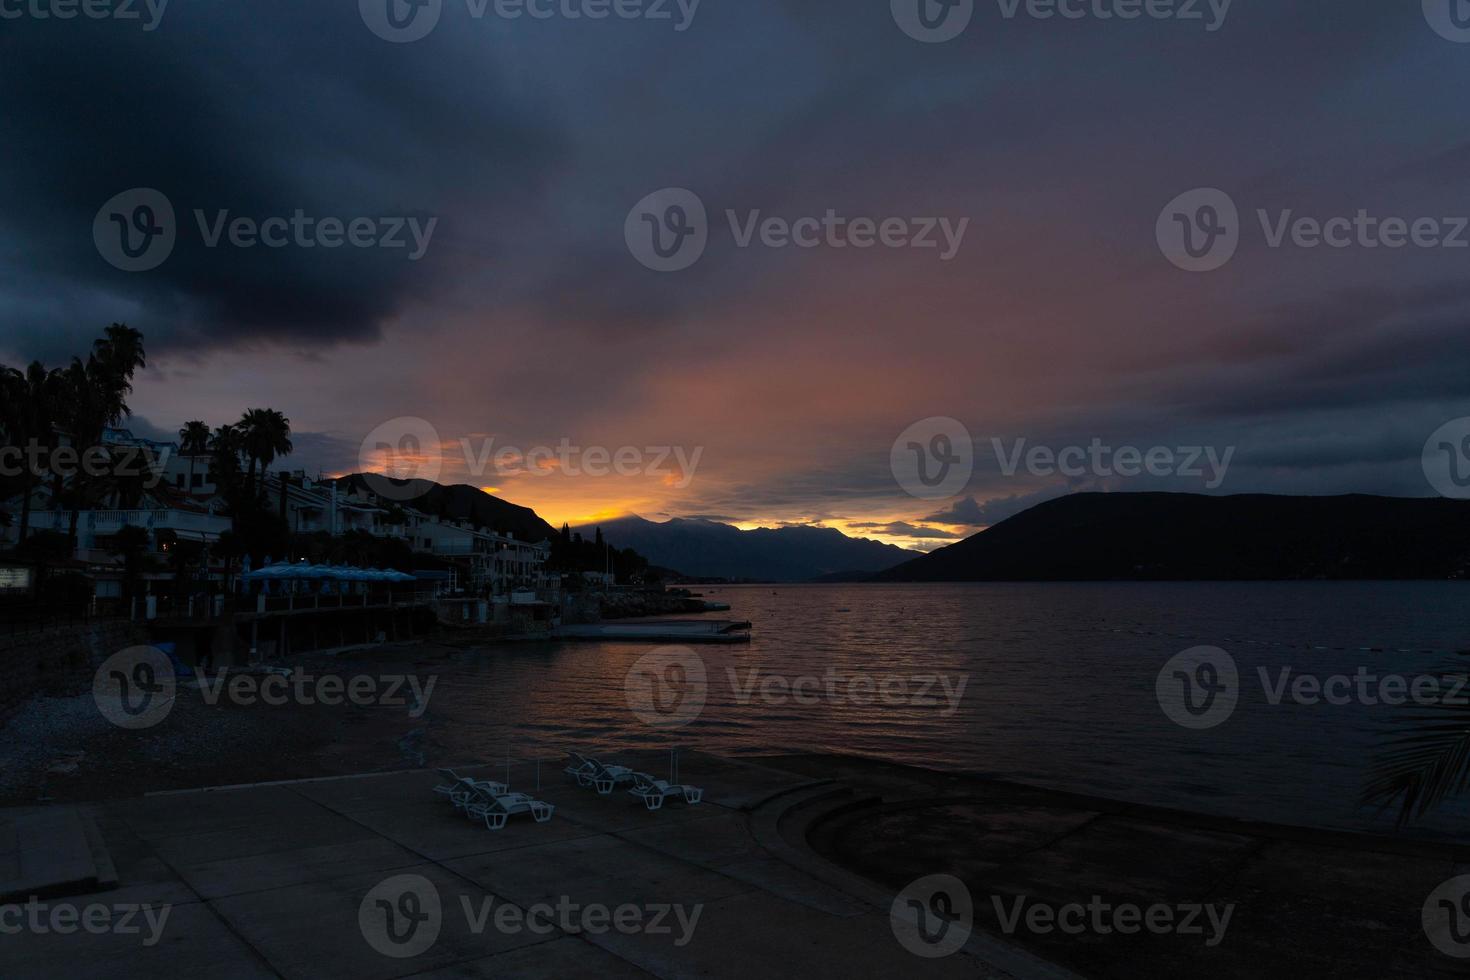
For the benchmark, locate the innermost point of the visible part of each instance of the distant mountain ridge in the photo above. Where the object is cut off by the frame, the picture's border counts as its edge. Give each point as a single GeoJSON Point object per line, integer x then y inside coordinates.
{"type": "Point", "coordinates": [709, 549]}
{"type": "Point", "coordinates": [1177, 536]}
{"type": "Point", "coordinates": [466, 503]}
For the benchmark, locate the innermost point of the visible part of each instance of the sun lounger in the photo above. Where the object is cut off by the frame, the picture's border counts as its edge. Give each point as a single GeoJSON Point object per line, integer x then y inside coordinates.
{"type": "Point", "coordinates": [653, 792]}
{"type": "Point", "coordinates": [580, 768]}
{"type": "Point", "coordinates": [496, 808]}
{"type": "Point", "coordinates": [590, 773]}
{"type": "Point", "coordinates": [459, 789]}
{"type": "Point", "coordinates": [611, 777]}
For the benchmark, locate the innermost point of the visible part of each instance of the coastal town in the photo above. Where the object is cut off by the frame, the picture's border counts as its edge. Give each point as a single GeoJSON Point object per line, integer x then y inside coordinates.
{"type": "Point", "coordinates": [229, 557]}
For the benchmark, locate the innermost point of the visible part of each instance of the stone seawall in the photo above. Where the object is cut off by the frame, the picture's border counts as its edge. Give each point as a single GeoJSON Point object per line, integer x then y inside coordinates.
{"type": "Point", "coordinates": [60, 660]}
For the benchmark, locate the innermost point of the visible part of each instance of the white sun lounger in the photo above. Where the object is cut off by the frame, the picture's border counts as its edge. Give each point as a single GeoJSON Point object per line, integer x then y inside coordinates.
{"type": "Point", "coordinates": [590, 773]}
{"type": "Point", "coordinates": [581, 768]}
{"type": "Point", "coordinates": [653, 792]}
{"type": "Point", "coordinates": [496, 808]}
{"type": "Point", "coordinates": [459, 789]}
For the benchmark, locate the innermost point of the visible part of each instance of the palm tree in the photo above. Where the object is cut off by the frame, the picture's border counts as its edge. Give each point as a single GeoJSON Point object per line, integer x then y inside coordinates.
{"type": "Point", "coordinates": [88, 403]}
{"type": "Point", "coordinates": [226, 447]}
{"type": "Point", "coordinates": [193, 442]}
{"type": "Point", "coordinates": [93, 395]}
{"type": "Point", "coordinates": [1428, 760]}
{"type": "Point", "coordinates": [267, 434]}
{"type": "Point", "coordinates": [29, 401]}
{"type": "Point", "coordinates": [119, 355]}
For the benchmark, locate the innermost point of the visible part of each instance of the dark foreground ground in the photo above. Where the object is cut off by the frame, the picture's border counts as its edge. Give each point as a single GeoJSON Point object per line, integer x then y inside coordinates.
{"type": "Point", "coordinates": [795, 862]}
{"type": "Point", "coordinates": [1304, 903]}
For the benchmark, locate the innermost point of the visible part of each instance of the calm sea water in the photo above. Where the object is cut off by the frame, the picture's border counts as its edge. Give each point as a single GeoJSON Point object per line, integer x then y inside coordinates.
{"type": "Point", "coordinates": [1060, 688]}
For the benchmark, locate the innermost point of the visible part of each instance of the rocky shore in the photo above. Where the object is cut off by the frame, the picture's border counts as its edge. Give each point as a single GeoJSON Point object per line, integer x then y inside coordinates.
{"type": "Point", "coordinates": [627, 605]}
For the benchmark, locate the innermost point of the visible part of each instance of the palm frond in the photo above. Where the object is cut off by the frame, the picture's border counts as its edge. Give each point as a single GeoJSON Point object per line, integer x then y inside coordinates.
{"type": "Point", "coordinates": [1428, 760]}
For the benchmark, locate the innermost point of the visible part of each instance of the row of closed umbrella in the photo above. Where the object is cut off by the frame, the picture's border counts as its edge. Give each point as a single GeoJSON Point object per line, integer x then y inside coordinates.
{"type": "Point", "coordinates": [285, 571]}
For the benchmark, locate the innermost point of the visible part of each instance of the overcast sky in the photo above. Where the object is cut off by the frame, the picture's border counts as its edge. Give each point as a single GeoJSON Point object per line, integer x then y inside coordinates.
{"type": "Point", "coordinates": [517, 147]}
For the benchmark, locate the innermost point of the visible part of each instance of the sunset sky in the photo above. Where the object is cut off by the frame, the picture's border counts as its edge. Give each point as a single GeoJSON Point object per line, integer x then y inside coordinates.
{"type": "Point", "coordinates": [791, 371]}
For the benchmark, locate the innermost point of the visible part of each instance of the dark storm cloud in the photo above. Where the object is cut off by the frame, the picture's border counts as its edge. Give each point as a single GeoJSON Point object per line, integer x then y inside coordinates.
{"type": "Point", "coordinates": [256, 109]}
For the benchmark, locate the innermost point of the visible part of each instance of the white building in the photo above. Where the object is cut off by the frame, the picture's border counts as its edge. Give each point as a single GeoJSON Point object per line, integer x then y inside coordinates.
{"type": "Point", "coordinates": [180, 498]}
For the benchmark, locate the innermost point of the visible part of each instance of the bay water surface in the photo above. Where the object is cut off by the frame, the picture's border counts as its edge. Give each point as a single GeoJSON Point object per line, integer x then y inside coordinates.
{"type": "Point", "coordinates": [1059, 688]}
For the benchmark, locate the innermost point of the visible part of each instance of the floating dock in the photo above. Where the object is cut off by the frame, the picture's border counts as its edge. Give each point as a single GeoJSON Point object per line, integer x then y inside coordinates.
{"type": "Point", "coordinates": [659, 631]}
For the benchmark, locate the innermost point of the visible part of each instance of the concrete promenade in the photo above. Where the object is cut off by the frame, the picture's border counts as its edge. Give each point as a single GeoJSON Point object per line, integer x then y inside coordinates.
{"type": "Point", "coordinates": [269, 881]}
